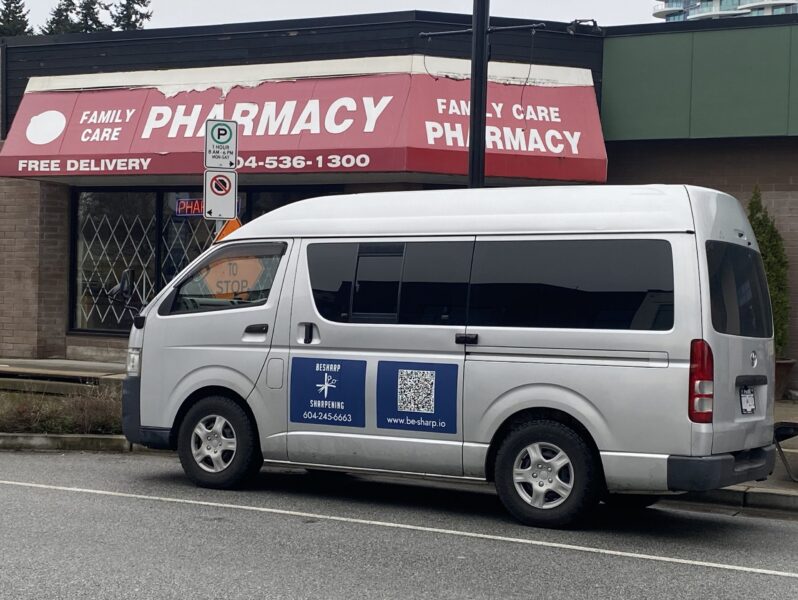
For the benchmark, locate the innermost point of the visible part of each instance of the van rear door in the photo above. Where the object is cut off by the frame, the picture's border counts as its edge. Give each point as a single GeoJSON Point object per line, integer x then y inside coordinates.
{"type": "Point", "coordinates": [737, 324]}
{"type": "Point", "coordinates": [740, 333]}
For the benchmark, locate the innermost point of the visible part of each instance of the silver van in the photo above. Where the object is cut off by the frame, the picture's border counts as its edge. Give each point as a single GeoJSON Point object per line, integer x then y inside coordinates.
{"type": "Point", "coordinates": [571, 344]}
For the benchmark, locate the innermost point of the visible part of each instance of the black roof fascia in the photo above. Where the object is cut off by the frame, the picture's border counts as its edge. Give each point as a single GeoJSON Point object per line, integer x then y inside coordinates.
{"type": "Point", "coordinates": [729, 23]}
{"type": "Point", "coordinates": [438, 20]}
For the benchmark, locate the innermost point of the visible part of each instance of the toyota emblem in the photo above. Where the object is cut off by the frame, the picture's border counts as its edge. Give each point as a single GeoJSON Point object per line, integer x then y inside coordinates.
{"type": "Point", "coordinates": [754, 359]}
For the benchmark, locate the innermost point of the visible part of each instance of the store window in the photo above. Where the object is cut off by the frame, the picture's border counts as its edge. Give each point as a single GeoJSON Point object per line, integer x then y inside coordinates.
{"type": "Point", "coordinates": [155, 233]}
{"type": "Point", "coordinates": [115, 231]}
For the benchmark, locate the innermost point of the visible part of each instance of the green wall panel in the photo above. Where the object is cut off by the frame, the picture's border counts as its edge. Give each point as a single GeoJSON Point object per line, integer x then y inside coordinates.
{"type": "Point", "coordinates": [705, 84]}
{"type": "Point", "coordinates": [646, 87]}
{"type": "Point", "coordinates": [792, 127]}
{"type": "Point", "coordinates": [741, 82]}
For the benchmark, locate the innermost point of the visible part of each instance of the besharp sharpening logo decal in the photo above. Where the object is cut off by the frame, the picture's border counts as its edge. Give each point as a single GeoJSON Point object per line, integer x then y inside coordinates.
{"type": "Point", "coordinates": [46, 127]}
{"type": "Point", "coordinates": [329, 384]}
{"type": "Point", "coordinates": [328, 391]}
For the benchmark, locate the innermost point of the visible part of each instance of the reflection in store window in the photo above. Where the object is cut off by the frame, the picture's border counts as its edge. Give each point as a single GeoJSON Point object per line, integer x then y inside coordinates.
{"type": "Point", "coordinates": [184, 238]}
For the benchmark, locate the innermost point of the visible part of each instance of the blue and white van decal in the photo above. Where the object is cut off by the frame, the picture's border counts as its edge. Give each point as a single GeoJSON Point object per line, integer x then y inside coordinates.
{"type": "Point", "coordinates": [328, 391]}
{"type": "Point", "coordinates": [417, 396]}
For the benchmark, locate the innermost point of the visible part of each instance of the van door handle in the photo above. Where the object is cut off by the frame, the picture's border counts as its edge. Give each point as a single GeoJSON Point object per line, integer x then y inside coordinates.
{"type": "Point", "coordinates": [308, 333]}
{"type": "Point", "coordinates": [259, 328]}
{"type": "Point", "coordinates": [466, 338]}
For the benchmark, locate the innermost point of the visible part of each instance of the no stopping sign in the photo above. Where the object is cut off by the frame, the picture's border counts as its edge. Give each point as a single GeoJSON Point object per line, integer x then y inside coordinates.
{"type": "Point", "coordinates": [221, 185]}
{"type": "Point", "coordinates": [221, 192]}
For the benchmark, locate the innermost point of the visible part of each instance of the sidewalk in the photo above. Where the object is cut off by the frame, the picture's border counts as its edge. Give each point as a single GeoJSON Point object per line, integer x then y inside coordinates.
{"type": "Point", "coordinates": [779, 482]}
{"type": "Point", "coordinates": [778, 492]}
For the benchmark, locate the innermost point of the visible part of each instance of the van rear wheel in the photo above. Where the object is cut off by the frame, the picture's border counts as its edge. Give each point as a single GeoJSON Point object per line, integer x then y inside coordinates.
{"type": "Point", "coordinates": [546, 474]}
{"type": "Point", "coordinates": [218, 445]}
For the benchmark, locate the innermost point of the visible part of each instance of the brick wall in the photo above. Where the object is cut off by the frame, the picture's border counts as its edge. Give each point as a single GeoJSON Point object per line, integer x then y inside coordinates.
{"type": "Point", "coordinates": [19, 249]}
{"type": "Point", "coordinates": [733, 166]}
{"type": "Point", "coordinates": [34, 242]}
{"type": "Point", "coordinates": [53, 283]}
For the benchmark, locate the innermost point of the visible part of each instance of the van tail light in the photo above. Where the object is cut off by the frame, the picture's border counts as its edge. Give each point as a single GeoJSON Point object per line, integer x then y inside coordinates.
{"type": "Point", "coordinates": [702, 382]}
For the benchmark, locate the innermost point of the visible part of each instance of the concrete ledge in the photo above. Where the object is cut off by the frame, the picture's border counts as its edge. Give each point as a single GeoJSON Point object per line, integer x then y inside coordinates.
{"type": "Point", "coordinates": [781, 499]}
{"type": "Point", "coordinates": [73, 442]}
{"type": "Point", "coordinates": [43, 386]}
{"type": "Point", "coordinates": [746, 496]}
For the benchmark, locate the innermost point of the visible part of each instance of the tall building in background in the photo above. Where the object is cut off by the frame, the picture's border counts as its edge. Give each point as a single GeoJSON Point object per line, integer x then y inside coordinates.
{"type": "Point", "coordinates": [693, 10]}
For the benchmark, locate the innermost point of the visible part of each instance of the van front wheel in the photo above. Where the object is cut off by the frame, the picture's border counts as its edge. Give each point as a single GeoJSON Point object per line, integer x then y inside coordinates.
{"type": "Point", "coordinates": [217, 444]}
{"type": "Point", "coordinates": [546, 475]}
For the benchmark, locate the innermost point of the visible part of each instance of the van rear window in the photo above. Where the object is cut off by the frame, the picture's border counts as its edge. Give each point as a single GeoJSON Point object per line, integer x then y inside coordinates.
{"type": "Point", "coordinates": [738, 291]}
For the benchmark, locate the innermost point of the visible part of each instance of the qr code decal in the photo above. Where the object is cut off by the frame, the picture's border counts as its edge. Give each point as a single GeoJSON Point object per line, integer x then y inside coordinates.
{"type": "Point", "coordinates": [416, 391]}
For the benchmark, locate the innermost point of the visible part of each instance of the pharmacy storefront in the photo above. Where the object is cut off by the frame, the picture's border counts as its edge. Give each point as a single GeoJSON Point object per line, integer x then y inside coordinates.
{"type": "Point", "coordinates": [127, 149]}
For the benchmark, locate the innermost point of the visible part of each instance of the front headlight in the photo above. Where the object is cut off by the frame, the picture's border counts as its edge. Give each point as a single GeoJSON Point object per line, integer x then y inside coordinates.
{"type": "Point", "coordinates": [133, 362]}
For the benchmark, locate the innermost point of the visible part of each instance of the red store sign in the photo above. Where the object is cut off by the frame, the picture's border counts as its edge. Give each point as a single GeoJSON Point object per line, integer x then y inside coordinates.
{"type": "Point", "coordinates": [373, 123]}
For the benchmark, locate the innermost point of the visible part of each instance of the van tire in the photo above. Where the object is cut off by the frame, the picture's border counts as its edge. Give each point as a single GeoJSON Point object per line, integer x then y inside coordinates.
{"type": "Point", "coordinates": [581, 471]}
{"type": "Point", "coordinates": [247, 459]}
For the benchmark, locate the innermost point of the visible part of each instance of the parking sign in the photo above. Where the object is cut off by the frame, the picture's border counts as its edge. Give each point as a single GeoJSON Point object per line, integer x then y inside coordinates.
{"type": "Point", "coordinates": [221, 144]}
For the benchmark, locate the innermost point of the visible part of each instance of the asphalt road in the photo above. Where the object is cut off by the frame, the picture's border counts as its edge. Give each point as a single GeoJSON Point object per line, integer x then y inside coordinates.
{"type": "Point", "coordinates": [131, 526]}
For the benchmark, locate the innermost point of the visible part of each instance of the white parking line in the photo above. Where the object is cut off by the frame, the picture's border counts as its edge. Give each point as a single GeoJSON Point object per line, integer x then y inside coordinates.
{"type": "Point", "coordinates": [405, 526]}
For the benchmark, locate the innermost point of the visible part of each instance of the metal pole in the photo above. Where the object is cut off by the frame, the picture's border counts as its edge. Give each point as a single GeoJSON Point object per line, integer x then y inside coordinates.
{"type": "Point", "coordinates": [479, 94]}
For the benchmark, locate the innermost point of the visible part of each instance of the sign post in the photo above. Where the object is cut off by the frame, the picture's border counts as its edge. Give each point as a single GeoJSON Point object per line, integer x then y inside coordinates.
{"type": "Point", "coordinates": [221, 178]}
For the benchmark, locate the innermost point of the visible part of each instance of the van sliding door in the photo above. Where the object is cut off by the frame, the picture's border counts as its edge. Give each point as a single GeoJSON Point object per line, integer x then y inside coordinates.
{"type": "Point", "coordinates": [376, 367]}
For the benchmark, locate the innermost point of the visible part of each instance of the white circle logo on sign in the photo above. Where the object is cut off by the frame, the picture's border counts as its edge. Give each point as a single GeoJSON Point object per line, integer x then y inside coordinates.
{"type": "Point", "coordinates": [46, 127]}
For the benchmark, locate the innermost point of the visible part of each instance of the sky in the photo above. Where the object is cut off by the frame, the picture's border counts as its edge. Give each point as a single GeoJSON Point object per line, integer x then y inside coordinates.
{"type": "Point", "coordinates": [176, 13]}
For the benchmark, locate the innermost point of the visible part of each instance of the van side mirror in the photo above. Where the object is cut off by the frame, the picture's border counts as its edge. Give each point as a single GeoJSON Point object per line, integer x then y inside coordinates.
{"type": "Point", "coordinates": [124, 289]}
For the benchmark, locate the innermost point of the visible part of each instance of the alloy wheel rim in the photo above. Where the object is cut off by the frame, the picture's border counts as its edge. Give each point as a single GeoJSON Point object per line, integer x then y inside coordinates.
{"type": "Point", "coordinates": [543, 475]}
{"type": "Point", "coordinates": [213, 443]}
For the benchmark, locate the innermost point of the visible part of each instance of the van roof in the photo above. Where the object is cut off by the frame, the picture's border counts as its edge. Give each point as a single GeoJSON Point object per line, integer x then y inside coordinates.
{"type": "Point", "coordinates": [516, 210]}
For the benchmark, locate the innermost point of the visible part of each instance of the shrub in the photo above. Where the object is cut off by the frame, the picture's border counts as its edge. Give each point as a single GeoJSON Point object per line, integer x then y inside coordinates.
{"type": "Point", "coordinates": [771, 245]}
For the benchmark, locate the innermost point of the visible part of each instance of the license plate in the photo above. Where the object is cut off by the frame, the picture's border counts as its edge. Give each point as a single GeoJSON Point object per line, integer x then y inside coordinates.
{"type": "Point", "coordinates": [747, 400]}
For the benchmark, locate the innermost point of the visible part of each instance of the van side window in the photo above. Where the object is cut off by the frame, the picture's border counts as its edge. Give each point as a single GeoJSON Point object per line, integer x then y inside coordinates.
{"type": "Point", "coordinates": [332, 272]}
{"type": "Point", "coordinates": [376, 295]}
{"type": "Point", "coordinates": [573, 284]}
{"type": "Point", "coordinates": [234, 277]}
{"type": "Point", "coordinates": [435, 283]}
{"type": "Point", "coordinates": [413, 283]}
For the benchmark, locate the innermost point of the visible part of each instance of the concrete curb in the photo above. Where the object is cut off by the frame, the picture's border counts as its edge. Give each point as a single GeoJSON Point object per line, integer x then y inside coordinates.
{"type": "Point", "coordinates": [72, 442]}
{"type": "Point", "coordinates": [746, 496]}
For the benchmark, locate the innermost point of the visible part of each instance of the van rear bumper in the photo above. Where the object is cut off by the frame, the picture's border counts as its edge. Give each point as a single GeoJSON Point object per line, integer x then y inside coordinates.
{"type": "Point", "coordinates": [704, 473]}
{"type": "Point", "coordinates": [151, 437]}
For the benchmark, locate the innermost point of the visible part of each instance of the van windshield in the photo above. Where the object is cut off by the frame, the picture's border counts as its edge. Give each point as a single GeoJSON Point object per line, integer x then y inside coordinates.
{"type": "Point", "coordinates": [738, 291]}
